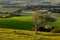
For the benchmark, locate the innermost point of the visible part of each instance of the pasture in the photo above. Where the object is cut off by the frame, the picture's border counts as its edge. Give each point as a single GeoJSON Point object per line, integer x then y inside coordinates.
{"type": "Point", "coordinates": [8, 9]}
{"type": "Point", "coordinates": [22, 22]}
{"type": "Point", "coordinates": [19, 28]}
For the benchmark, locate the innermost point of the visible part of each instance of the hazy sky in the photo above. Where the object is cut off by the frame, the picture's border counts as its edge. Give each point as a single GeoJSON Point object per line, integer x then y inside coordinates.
{"type": "Point", "coordinates": [57, 0]}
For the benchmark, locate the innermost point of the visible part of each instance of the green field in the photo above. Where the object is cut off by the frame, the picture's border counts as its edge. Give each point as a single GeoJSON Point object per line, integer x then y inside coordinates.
{"type": "Point", "coordinates": [24, 24]}
{"type": "Point", "coordinates": [57, 22]}
{"type": "Point", "coordinates": [19, 28]}
{"type": "Point", "coordinates": [8, 9]}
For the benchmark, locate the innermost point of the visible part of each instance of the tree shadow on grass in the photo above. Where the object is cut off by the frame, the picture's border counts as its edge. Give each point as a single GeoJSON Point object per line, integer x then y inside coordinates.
{"type": "Point", "coordinates": [16, 24]}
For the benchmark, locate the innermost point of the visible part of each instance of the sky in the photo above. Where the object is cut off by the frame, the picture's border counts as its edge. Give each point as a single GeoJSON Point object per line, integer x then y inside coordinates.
{"type": "Point", "coordinates": [56, 1]}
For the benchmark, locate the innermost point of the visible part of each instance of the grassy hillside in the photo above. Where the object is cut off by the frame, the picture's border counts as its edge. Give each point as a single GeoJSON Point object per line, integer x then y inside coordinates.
{"type": "Point", "coordinates": [57, 22]}
{"type": "Point", "coordinates": [22, 22]}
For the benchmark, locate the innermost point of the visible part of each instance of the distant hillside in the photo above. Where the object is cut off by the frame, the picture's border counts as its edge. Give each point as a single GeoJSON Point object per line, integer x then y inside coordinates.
{"type": "Point", "coordinates": [17, 1]}
{"type": "Point", "coordinates": [26, 1]}
{"type": "Point", "coordinates": [9, 1]}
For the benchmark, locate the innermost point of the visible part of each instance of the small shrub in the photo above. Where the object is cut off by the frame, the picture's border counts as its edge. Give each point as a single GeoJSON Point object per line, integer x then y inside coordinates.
{"type": "Point", "coordinates": [56, 30]}
{"type": "Point", "coordinates": [44, 29]}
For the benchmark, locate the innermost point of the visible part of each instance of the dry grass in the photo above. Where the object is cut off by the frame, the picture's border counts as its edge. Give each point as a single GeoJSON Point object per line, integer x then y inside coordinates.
{"type": "Point", "coordinates": [12, 34]}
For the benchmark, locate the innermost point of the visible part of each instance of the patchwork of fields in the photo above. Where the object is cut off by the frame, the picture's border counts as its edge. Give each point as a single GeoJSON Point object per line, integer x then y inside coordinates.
{"type": "Point", "coordinates": [20, 27]}
{"type": "Point", "coordinates": [24, 25]}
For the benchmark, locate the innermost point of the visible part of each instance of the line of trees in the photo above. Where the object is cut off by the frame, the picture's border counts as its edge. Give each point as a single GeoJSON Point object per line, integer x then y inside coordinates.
{"type": "Point", "coordinates": [10, 14]}
{"type": "Point", "coordinates": [54, 9]}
